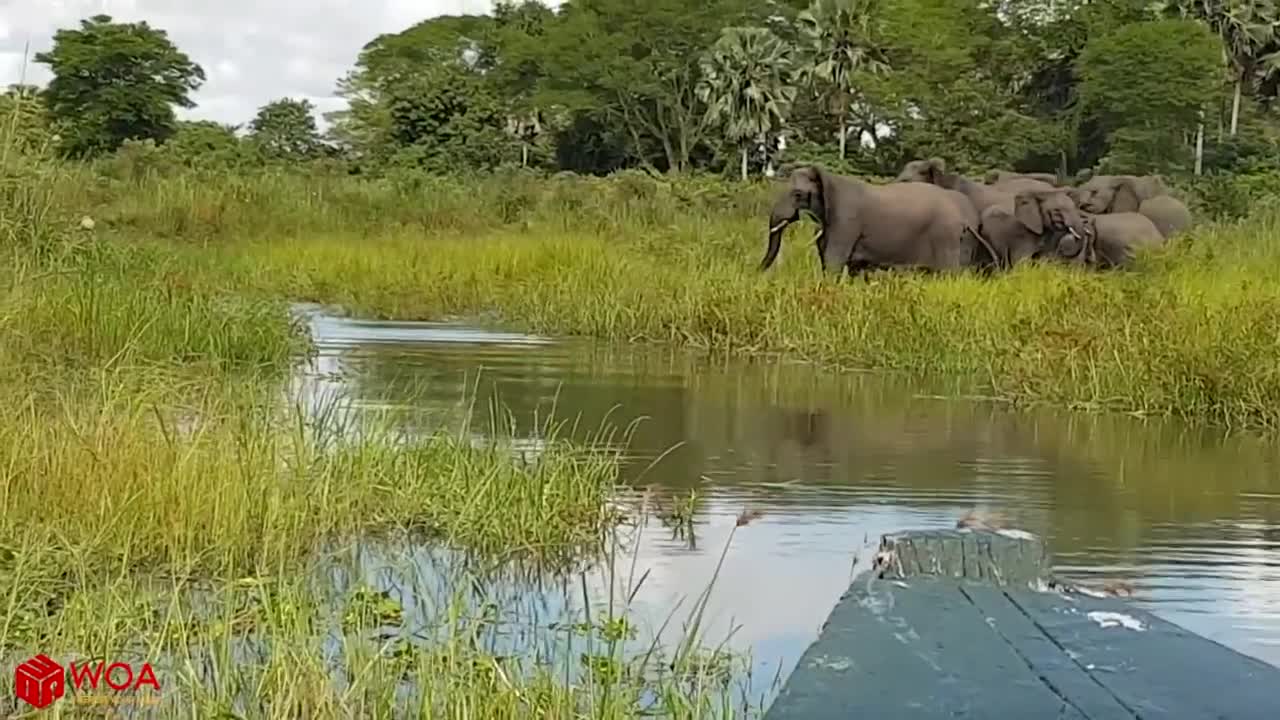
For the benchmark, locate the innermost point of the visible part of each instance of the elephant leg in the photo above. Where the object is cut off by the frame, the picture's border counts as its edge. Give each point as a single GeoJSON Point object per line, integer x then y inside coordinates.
{"type": "Point", "coordinates": [858, 269]}
{"type": "Point", "coordinates": [837, 251]}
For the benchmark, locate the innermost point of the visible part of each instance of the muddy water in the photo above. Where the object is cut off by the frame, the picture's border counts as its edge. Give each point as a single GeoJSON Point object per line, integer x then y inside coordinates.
{"type": "Point", "coordinates": [829, 461]}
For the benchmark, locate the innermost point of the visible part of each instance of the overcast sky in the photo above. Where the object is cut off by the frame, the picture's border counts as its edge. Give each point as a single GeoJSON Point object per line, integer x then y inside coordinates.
{"type": "Point", "coordinates": [252, 51]}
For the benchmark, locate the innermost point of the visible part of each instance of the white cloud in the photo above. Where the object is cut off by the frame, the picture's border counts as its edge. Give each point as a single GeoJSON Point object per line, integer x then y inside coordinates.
{"type": "Point", "coordinates": [252, 51]}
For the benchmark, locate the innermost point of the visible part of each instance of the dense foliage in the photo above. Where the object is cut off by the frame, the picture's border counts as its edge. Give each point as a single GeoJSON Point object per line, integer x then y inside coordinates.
{"type": "Point", "coordinates": [733, 86]}
{"type": "Point", "coordinates": [114, 82]}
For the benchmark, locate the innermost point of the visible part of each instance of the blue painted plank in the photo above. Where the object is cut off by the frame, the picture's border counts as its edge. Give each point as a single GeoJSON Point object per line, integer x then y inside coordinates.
{"type": "Point", "coordinates": [1162, 671]}
{"type": "Point", "coordinates": [917, 653]}
{"type": "Point", "coordinates": [1045, 658]}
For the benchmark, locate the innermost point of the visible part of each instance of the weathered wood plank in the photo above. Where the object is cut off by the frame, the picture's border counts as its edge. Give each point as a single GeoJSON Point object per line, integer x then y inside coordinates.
{"type": "Point", "coordinates": [1161, 671]}
{"type": "Point", "coordinates": [920, 652]}
{"type": "Point", "coordinates": [1046, 659]}
{"type": "Point", "coordinates": [1013, 559]}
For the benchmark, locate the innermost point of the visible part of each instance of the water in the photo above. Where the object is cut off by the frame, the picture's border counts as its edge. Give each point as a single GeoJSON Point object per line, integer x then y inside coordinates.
{"type": "Point", "coordinates": [1191, 520]}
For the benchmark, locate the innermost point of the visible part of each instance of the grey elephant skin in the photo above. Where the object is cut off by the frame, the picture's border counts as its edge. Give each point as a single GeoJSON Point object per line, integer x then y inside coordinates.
{"type": "Point", "coordinates": [865, 226]}
{"type": "Point", "coordinates": [1117, 236]}
{"type": "Point", "coordinates": [1043, 224]}
{"type": "Point", "coordinates": [1145, 194]}
{"type": "Point", "coordinates": [934, 171]}
{"type": "Point", "coordinates": [1008, 180]}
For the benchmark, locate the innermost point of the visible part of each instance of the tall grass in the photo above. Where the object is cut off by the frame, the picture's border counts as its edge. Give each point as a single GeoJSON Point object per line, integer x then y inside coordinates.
{"type": "Point", "coordinates": [216, 477]}
{"type": "Point", "coordinates": [198, 525]}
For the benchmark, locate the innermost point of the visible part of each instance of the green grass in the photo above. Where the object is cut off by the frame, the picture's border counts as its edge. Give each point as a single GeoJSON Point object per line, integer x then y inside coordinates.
{"type": "Point", "coordinates": [146, 514]}
{"type": "Point", "coordinates": [199, 476]}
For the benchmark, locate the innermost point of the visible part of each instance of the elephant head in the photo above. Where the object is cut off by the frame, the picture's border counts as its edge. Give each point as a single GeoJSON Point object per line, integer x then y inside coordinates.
{"type": "Point", "coordinates": [1117, 193]}
{"type": "Point", "coordinates": [806, 191]}
{"type": "Point", "coordinates": [1053, 216]}
{"type": "Point", "coordinates": [930, 171]}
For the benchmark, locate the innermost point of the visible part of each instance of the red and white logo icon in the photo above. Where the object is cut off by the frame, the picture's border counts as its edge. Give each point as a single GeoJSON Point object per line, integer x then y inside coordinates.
{"type": "Point", "coordinates": [39, 681]}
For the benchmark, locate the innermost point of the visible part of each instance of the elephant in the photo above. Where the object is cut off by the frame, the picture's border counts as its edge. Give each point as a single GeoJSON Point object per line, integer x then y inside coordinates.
{"type": "Point", "coordinates": [1005, 179]}
{"type": "Point", "coordinates": [1044, 223]}
{"type": "Point", "coordinates": [1116, 236]}
{"type": "Point", "coordinates": [865, 226]}
{"type": "Point", "coordinates": [934, 171]}
{"type": "Point", "coordinates": [1102, 194]}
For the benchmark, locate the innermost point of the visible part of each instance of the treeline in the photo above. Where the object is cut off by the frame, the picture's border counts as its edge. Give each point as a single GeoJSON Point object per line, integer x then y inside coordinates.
{"type": "Point", "coordinates": [728, 86]}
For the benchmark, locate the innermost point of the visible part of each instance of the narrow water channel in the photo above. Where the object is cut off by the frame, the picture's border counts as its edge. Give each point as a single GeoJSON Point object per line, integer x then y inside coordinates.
{"type": "Point", "coordinates": [829, 461]}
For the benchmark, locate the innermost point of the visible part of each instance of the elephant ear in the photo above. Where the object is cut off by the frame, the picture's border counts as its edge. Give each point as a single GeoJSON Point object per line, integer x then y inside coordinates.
{"type": "Point", "coordinates": [823, 181]}
{"type": "Point", "coordinates": [1026, 210]}
{"type": "Point", "coordinates": [1126, 197]}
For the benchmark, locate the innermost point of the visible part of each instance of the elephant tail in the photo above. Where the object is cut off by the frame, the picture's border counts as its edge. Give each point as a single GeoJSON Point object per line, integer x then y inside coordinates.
{"type": "Point", "coordinates": [995, 257]}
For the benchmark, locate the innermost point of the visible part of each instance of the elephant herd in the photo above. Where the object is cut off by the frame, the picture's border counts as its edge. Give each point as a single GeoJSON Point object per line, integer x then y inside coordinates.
{"type": "Point", "coordinates": [929, 218]}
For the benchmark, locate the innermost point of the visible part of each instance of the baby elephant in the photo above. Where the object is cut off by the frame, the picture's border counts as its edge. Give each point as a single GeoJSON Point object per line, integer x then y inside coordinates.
{"type": "Point", "coordinates": [1043, 223]}
{"type": "Point", "coordinates": [1117, 235]}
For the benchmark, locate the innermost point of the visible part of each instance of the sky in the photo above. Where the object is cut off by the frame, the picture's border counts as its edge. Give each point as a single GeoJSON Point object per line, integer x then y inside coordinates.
{"type": "Point", "coordinates": [252, 51]}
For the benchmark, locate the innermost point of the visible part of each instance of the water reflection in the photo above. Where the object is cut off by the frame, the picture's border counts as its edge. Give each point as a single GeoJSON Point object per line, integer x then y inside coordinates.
{"type": "Point", "coordinates": [1190, 519]}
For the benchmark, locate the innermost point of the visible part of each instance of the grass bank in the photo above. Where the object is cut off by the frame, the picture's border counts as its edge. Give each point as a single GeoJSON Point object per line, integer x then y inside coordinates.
{"type": "Point", "coordinates": [1191, 333]}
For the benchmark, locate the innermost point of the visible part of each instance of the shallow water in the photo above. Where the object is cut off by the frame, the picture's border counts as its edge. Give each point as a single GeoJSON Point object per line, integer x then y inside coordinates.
{"type": "Point", "coordinates": [832, 460]}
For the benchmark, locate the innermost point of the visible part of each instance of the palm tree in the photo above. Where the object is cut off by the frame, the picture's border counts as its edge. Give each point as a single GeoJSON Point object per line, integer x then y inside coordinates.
{"type": "Point", "coordinates": [842, 38]}
{"type": "Point", "coordinates": [746, 84]}
{"type": "Point", "coordinates": [1250, 32]}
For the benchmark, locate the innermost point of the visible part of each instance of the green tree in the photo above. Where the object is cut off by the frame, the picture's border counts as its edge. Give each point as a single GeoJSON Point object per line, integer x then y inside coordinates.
{"type": "Point", "coordinates": [1250, 34]}
{"type": "Point", "coordinates": [842, 41]}
{"type": "Point", "coordinates": [114, 82]}
{"type": "Point", "coordinates": [285, 129]}
{"type": "Point", "coordinates": [950, 92]}
{"type": "Point", "coordinates": [462, 42]}
{"type": "Point", "coordinates": [447, 119]}
{"type": "Point", "coordinates": [747, 86]}
{"type": "Point", "coordinates": [206, 144]}
{"type": "Point", "coordinates": [637, 64]}
{"type": "Point", "coordinates": [1147, 84]}
{"type": "Point", "coordinates": [517, 29]}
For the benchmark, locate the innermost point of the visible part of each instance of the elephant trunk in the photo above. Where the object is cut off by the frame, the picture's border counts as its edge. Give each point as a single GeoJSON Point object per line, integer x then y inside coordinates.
{"type": "Point", "coordinates": [782, 216]}
{"type": "Point", "coordinates": [1076, 245]}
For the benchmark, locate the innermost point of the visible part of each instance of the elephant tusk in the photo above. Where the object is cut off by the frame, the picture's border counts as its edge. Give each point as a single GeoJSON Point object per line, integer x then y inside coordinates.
{"type": "Point", "coordinates": [780, 226]}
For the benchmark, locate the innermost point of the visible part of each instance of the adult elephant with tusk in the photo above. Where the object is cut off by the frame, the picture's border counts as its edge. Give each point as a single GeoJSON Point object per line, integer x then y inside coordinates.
{"type": "Point", "coordinates": [865, 226]}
